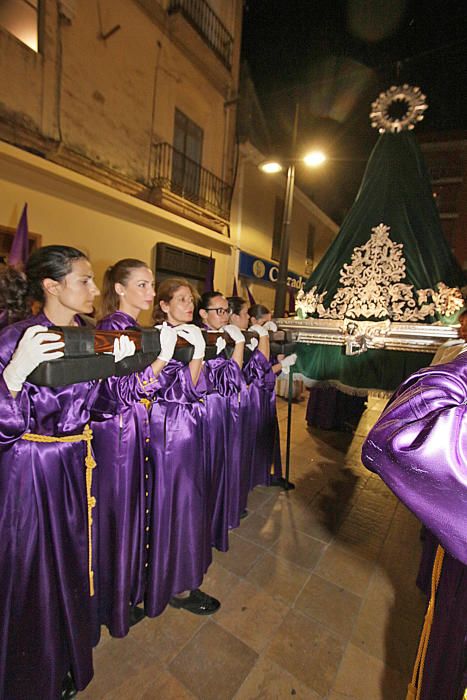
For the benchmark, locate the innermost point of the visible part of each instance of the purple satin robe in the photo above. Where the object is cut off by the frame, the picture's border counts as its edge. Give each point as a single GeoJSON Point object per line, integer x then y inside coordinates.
{"type": "Point", "coordinates": [121, 445]}
{"type": "Point", "coordinates": [241, 444]}
{"type": "Point", "coordinates": [178, 531]}
{"type": "Point", "coordinates": [419, 448]}
{"type": "Point", "coordinates": [262, 381]}
{"type": "Point", "coordinates": [223, 457]}
{"type": "Point", "coordinates": [46, 625]}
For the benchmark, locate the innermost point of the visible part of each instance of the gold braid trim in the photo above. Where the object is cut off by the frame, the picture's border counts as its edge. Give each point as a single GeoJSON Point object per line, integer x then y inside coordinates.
{"type": "Point", "coordinates": [90, 463]}
{"type": "Point", "coordinates": [146, 403]}
{"type": "Point", "coordinates": [415, 686]}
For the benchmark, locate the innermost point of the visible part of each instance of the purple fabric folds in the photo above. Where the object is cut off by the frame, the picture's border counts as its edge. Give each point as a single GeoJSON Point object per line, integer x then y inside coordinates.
{"type": "Point", "coordinates": [121, 445]}
{"type": "Point", "coordinates": [419, 448]}
{"type": "Point", "coordinates": [46, 626]}
{"type": "Point", "coordinates": [445, 668]}
{"type": "Point", "coordinates": [261, 380]}
{"type": "Point", "coordinates": [179, 537]}
{"type": "Point", "coordinates": [223, 458]}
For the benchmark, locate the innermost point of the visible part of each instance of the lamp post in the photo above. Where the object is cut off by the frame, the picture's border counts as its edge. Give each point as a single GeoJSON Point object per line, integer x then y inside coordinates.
{"type": "Point", "coordinates": [313, 159]}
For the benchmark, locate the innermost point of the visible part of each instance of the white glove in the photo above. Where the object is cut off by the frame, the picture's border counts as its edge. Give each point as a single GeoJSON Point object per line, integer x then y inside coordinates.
{"type": "Point", "coordinates": [253, 344]}
{"type": "Point", "coordinates": [234, 332]}
{"type": "Point", "coordinates": [193, 335]}
{"type": "Point", "coordinates": [33, 348]}
{"type": "Point", "coordinates": [168, 341]}
{"type": "Point", "coordinates": [270, 326]}
{"type": "Point", "coordinates": [123, 347]}
{"type": "Point", "coordinates": [220, 345]}
{"type": "Point", "coordinates": [260, 330]}
{"type": "Point", "coordinates": [287, 363]}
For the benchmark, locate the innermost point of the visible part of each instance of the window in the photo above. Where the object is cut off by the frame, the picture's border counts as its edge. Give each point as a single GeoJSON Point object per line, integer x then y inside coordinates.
{"type": "Point", "coordinates": [177, 262]}
{"type": "Point", "coordinates": [277, 230]}
{"type": "Point", "coordinates": [21, 18]}
{"type": "Point", "coordinates": [187, 157]}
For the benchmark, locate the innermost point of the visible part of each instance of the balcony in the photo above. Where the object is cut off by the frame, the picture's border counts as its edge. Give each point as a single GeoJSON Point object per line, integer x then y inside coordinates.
{"type": "Point", "coordinates": [208, 25]}
{"type": "Point", "coordinates": [185, 187]}
{"type": "Point", "coordinates": [202, 36]}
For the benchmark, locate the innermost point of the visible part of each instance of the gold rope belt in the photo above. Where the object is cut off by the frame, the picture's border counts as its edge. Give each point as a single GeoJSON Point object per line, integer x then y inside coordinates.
{"type": "Point", "coordinates": [85, 436]}
{"type": "Point", "coordinates": [415, 686]}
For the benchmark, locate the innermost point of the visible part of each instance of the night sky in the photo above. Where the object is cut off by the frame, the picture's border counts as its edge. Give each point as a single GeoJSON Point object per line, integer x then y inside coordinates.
{"type": "Point", "coordinates": [334, 57]}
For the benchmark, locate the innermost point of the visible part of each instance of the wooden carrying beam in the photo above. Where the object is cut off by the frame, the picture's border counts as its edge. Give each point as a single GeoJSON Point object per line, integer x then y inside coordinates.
{"type": "Point", "coordinates": [87, 353]}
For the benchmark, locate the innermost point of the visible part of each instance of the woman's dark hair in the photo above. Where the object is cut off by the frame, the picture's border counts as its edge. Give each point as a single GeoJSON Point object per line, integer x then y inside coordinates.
{"type": "Point", "coordinates": [13, 295]}
{"type": "Point", "coordinates": [236, 304]}
{"type": "Point", "coordinates": [53, 261]}
{"type": "Point", "coordinates": [204, 302]}
{"type": "Point", "coordinates": [257, 311]}
{"type": "Point", "coordinates": [118, 273]}
{"type": "Point", "coordinates": [166, 291]}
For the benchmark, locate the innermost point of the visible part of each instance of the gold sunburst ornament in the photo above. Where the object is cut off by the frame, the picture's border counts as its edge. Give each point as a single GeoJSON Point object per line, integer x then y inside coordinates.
{"type": "Point", "coordinates": [398, 109]}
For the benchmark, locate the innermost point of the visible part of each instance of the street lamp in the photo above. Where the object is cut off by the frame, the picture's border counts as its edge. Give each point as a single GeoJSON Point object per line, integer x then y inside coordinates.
{"type": "Point", "coordinates": [313, 159]}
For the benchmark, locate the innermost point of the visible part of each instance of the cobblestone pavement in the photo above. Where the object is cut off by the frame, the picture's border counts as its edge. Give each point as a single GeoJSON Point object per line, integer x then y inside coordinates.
{"type": "Point", "coordinates": [318, 595]}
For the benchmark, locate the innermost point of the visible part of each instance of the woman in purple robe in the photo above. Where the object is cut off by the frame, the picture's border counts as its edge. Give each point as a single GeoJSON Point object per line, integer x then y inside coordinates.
{"type": "Point", "coordinates": [225, 382]}
{"type": "Point", "coordinates": [46, 491]}
{"type": "Point", "coordinates": [261, 409]}
{"type": "Point", "coordinates": [121, 445]}
{"type": "Point", "coordinates": [419, 448]}
{"type": "Point", "coordinates": [262, 316]}
{"type": "Point", "coordinates": [178, 533]}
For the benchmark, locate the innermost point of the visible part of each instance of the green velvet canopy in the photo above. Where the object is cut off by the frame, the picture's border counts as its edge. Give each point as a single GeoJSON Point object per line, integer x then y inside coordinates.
{"type": "Point", "coordinates": [396, 191]}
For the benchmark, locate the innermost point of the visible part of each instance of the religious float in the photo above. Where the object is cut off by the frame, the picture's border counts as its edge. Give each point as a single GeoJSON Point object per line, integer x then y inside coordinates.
{"type": "Point", "coordinates": [387, 293]}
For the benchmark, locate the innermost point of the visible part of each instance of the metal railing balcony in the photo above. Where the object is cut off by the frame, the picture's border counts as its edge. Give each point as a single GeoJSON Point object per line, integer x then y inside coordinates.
{"type": "Point", "coordinates": [208, 25]}
{"type": "Point", "coordinates": [182, 176]}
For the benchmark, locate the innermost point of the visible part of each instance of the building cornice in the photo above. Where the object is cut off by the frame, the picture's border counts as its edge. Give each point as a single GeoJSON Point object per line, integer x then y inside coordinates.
{"type": "Point", "coordinates": [35, 172]}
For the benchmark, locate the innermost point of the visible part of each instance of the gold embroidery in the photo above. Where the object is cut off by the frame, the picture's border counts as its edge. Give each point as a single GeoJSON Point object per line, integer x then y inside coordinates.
{"type": "Point", "coordinates": [90, 463]}
{"type": "Point", "coordinates": [145, 384]}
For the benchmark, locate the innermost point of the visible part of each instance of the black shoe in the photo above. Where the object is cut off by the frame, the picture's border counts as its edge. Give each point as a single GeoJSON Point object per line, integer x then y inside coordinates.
{"type": "Point", "coordinates": [197, 602]}
{"type": "Point", "coordinates": [136, 615]}
{"type": "Point", "coordinates": [243, 514]}
{"type": "Point", "coordinates": [69, 689]}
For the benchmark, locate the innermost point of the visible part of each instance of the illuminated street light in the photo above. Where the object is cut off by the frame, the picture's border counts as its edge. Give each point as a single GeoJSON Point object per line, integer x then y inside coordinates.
{"type": "Point", "coordinates": [314, 159]}
{"type": "Point", "coordinates": [271, 167]}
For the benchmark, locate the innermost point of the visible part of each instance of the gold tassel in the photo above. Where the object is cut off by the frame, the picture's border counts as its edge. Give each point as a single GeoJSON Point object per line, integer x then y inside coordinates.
{"type": "Point", "coordinates": [415, 686]}
{"type": "Point", "coordinates": [90, 464]}
{"type": "Point", "coordinates": [146, 403]}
